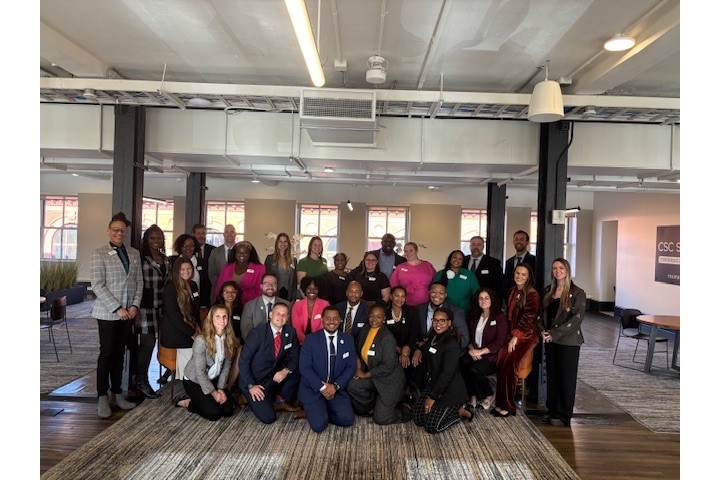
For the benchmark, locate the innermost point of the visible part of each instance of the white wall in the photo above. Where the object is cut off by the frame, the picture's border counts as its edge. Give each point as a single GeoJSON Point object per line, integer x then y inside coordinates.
{"type": "Point", "coordinates": [638, 216]}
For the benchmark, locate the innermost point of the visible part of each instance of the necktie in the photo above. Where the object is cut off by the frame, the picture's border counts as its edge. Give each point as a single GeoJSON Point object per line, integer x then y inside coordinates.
{"type": "Point", "coordinates": [518, 261]}
{"type": "Point", "coordinates": [474, 265]}
{"type": "Point", "coordinates": [348, 320]}
{"type": "Point", "coordinates": [122, 255]}
{"type": "Point", "coordinates": [269, 307]}
{"type": "Point", "coordinates": [277, 344]}
{"type": "Point", "coordinates": [331, 366]}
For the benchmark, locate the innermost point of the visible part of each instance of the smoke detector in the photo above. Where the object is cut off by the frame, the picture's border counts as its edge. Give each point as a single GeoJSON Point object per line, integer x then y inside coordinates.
{"type": "Point", "coordinates": [377, 67]}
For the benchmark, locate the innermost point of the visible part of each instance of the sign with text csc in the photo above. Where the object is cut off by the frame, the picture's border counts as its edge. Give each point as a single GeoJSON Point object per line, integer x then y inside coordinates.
{"type": "Point", "coordinates": [667, 254]}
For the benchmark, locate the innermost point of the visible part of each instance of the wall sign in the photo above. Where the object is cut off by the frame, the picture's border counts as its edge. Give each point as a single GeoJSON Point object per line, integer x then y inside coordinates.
{"type": "Point", "coordinates": [667, 254]}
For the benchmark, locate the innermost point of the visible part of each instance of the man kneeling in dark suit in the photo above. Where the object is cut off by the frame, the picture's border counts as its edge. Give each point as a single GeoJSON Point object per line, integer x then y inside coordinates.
{"type": "Point", "coordinates": [269, 374]}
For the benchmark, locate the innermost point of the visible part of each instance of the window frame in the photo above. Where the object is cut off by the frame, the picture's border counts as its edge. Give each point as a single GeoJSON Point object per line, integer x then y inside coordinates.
{"type": "Point", "coordinates": [373, 242]}
{"type": "Point", "coordinates": [331, 242]}
{"type": "Point", "coordinates": [64, 232]}
{"type": "Point", "coordinates": [215, 230]}
{"type": "Point", "coordinates": [481, 229]}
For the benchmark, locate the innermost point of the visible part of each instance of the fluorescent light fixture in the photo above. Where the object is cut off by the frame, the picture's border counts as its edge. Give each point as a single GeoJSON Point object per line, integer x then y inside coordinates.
{"type": "Point", "coordinates": [255, 180]}
{"type": "Point", "coordinates": [154, 200]}
{"type": "Point", "coordinates": [303, 32]}
{"type": "Point", "coordinates": [328, 170]}
{"type": "Point", "coordinates": [350, 206]}
{"type": "Point", "coordinates": [619, 43]}
{"type": "Point", "coordinates": [75, 174]}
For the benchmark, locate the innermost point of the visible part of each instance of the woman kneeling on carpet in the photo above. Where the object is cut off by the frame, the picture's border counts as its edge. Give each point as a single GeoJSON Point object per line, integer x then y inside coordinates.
{"type": "Point", "coordinates": [443, 395]}
{"type": "Point", "coordinates": [206, 374]}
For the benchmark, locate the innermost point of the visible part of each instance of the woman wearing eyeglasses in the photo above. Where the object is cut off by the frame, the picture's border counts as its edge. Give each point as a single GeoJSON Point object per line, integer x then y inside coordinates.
{"type": "Point", "coordinates": [442, 398]}
{"type": "Point", "coordinates": [375, 284]}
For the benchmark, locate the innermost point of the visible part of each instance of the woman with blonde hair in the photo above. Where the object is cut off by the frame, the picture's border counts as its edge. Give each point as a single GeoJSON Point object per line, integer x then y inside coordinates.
{"type": "Point", "coordinates": [206, 375]}
{"type": "Point", "coordinates": [564, 309]}
{"type": "Point", "coordinates": [283, 265]}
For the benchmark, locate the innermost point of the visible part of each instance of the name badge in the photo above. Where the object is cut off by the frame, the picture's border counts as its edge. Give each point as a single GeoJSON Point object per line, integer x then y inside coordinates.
{"type": "Point", "coordinates": [493, 323]}
{"type": "Point", "coordinates": [236, 317]}
{"type": "Point", "coordinates": [372, 279]}
{"type": "Point", "coordinates": [360, 325]}
{"type": "Point", "coordinates": [199, 268]}
{"type": "Point", "coordinates": [390, 322]}
{"type": "Point", "coordinates": [346, 354]}
{"type": "Point", "coordinates": [484, 272]}
{"type": "Point", "coordinates": [317, 315]}
{"type": "Point", "coordinates": [432, 350]}
{"type": "Point", "coordinates": [403, 269]}
{"type": "Point", "coordinates": [196, 294]}
{"type": "Point", "coordinates": [371, 353]}
{"type": "Point", "coordinates": [464, 277]}
{"type": "Point", "coordinates": [287, 346]}
{"type": "Point", "coordinates": [250, 270]}
{"type": "Point", "coordinates": [112, 252]}
{"type": "Point", "coordinates": [341, 278]}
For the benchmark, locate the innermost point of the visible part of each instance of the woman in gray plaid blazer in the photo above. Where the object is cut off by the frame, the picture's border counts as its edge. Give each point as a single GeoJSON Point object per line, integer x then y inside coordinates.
{"type": "Point", "coordinates": [116, 279]}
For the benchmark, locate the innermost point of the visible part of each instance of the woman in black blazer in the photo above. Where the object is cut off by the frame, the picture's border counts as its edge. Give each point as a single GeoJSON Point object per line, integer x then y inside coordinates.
{"type": "Point", "coordinates": [488, 328]}
{"type": "Point", "coordinates": [181, 311]}
{"type": "Point", "coordinates": [564, 309]}
{"type": "Point", "coordinates": [443, 394]}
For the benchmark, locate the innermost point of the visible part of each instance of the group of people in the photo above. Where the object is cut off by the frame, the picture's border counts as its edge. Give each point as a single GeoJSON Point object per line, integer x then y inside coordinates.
{"type": "Point", "coordinates": [392, 339]}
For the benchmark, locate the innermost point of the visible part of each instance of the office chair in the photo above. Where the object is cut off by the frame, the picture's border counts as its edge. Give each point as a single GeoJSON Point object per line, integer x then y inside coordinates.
{"type": "Point", "coordinates": [57, 315]}
{"type": "Point", "coordinates": [630, 329]}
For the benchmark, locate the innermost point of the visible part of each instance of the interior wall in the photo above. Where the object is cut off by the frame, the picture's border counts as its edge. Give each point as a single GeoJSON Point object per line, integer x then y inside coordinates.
{"type": "Point", "coordinates": [438, 228]}
{"type": "Point", "coordinates": [516, 219]}
{"type": "Point", "coordinates": [94, 213]}
{"type": "Point", "coordinates": [637, 216]}
{"type": "Point", "coordinates": [352, 232]}
{"type": "Point", "coordinates": [264, 216]}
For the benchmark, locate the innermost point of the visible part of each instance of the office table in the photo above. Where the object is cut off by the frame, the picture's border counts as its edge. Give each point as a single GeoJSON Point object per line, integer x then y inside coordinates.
{"type": "Point", "coordinates": [669, 322]}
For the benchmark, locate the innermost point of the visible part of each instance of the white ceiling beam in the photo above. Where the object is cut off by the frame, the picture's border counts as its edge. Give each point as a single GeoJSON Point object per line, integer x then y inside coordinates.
{"type": "Point", "coordinates": [61, 51]}
{"type": "Point", "coordinates": [657, 37]}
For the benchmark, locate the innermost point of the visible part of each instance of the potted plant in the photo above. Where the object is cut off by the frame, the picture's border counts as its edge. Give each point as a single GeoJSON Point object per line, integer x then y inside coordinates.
{"type": "Point", "coordinates": [58, 279]}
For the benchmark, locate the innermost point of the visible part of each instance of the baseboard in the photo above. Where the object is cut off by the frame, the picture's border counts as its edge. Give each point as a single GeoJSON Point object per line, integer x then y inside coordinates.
{"type": "Point", "coordinates": [598, 306]}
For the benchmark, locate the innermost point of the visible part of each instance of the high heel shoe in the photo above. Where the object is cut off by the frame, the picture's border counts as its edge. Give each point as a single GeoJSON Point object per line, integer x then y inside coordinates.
{"type": "Point", "coordinates": [469, 409]}
{"type": "Point", "coordinates": [496, 413]}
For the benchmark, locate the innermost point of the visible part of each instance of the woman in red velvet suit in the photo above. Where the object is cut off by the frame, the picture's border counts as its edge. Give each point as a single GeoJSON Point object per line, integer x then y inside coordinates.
{"type": "Point", "coordinates": [523, 307]}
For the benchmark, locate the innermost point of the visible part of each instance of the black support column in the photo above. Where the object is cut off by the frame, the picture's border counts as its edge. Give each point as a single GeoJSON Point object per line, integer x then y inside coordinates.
{"type": "Point", "coordinates": [495, 241]}
{"type": "Point", "coordinates": [194, 200]}
{"type": "Point", "coordinates": [128, 162]}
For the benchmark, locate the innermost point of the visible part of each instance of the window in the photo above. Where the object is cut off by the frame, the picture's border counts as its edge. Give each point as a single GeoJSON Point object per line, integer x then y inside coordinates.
{"type": "Point", "coordinates": [382, 220]}
{"type": "Point", "coordinates": [218, 215]}
{"type": "Point", "coordinates": [160, 213]}
{"type": "Point", "coordinates": [322, 221]}
{"type": "Point", "coordinates": [58, 234]}
{"type": "Point", "coordinates": [570, 246]}
{"type": "Point", "coordinates": [472, 222]}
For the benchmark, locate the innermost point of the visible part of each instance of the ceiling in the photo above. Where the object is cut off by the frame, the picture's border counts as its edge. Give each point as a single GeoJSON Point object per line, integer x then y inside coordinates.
{"type": "Point", "coordinates": [470, 59]}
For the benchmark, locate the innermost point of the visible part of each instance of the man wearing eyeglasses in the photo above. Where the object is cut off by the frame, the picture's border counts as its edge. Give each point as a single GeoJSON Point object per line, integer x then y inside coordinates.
{"type": "Point", "coordinates": [257, 311]}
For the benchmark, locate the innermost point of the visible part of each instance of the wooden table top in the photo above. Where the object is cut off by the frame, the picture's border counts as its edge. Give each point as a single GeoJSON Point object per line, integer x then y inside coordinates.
{"type": "Point", "coordinates": [663, 321]}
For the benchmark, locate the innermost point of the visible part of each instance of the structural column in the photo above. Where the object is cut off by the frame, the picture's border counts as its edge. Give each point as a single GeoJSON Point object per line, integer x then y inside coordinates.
{"type": "Point", "coordinates": [128, 166]}
{"type": "Point", "coordinates": [495, 241]}
{"type": "Point", "coordinates": [194, 200]}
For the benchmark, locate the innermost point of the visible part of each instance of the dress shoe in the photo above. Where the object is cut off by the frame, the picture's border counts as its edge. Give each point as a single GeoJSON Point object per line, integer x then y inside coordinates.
{"type": "Point", "coordinates": [144, 386]}
{"type": "Point", "coordinates": [559, 422]}
{"type": "Point", "coordinates": [103, 407]}
{"type": "Point", "coordinates": [498, 414]}
{"type": "Point", "coordinates": [285, 407]}
{"type": "Point", "coordinates": [546, 418]}
{"type": "Point", "coordinates": [299, 415]}
{"type": "Point", "coordinates": [469, 409]}
{"type": "Point", "coordinates": [120, 401]}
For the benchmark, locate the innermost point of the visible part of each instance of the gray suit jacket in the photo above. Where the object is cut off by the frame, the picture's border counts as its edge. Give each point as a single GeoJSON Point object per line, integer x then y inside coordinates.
{"type": "Point", "coordinates": [215, 264]}
{"type": "Point", "coordinates": [197, 368]}
{"type": "Point", "coordinates": [388, 376]}
{"type": "Point", "coordinates": [255, 313]}
{"type": "Point", "coordinates": [112, 286]}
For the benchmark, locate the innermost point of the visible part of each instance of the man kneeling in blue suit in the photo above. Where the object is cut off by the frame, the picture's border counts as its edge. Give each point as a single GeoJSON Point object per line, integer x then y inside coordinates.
{"type": "Point", "coordinates": [327, 363]}
{"type": "Point", "coordinates": [269, 374]}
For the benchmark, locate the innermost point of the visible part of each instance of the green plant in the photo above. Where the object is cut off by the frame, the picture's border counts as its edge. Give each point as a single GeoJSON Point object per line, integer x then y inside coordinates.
{"type": "Point", "coordinates": [58, 275]}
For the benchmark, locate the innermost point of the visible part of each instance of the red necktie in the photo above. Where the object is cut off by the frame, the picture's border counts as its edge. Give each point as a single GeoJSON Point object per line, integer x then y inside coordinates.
{"type": "Point", "coordinates": [277, 344]}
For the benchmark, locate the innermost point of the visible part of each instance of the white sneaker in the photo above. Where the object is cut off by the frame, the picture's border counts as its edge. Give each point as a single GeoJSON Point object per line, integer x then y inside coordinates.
{"type": "Point", "coordinates": [120, 401]}
{"type": "Point", "coordinates": [103, 407]}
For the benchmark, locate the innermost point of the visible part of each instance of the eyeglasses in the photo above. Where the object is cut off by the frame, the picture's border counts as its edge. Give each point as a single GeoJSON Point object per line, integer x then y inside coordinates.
{"type": "Point", "coordinates": [440, 320]}
{"type": "Point", "coordinates": [270, 284]}
{"type": "Point", "coordinates": [118, 230]}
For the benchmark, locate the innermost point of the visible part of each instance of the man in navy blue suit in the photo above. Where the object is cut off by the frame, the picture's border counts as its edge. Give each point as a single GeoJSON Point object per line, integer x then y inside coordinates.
{"type": "Point", "coordinates": [327, 364]}
{"type": "Point", "coordinates": [269, 375]}
{"type": "Point", "coordinates": [356, 307]}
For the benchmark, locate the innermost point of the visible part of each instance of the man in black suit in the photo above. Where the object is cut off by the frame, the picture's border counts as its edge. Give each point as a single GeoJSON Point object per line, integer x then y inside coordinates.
{"type": "Point", "coordinates": [487, 269]}
{"type": "Point", "coordinates": [269, 375]}
{"type": "Point", "coordinates": [387, 258]}
{"type": "Point", "coordinates": [200, 234]}
{"type": "Point", "coordinates": [357, 309]}
{"type": "Point", "coordinates": [521, 240]}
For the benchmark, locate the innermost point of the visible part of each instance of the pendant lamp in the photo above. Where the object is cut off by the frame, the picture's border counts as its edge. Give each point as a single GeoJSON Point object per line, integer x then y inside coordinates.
{"type": "Point", "coordinates": [546, 104]}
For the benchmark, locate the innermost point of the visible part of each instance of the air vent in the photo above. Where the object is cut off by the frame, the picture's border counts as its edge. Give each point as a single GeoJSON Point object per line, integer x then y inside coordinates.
{"type": "Point", "coordinates": [338, 117]}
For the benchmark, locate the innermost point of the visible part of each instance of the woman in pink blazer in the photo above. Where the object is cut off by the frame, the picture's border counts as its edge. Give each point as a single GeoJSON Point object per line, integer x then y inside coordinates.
{"type": "Point", "coordinates": [245, 269]}
{"type": "Point", "coordinates": [307, 313]}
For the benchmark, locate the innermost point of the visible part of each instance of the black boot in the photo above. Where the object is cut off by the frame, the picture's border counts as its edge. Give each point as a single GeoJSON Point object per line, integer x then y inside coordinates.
{"type": "Point", "coordinates": [143, 385]}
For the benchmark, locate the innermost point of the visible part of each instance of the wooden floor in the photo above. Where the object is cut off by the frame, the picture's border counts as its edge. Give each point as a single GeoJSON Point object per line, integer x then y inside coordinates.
{"type": "Point", "coordinates": [603, 441]}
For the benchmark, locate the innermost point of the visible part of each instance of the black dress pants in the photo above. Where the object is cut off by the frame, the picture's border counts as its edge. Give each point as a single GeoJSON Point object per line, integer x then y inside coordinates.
{"type": "Point", "coordinates": [562, 368]}
{"type": "Point", "coordinates": [114, 336]}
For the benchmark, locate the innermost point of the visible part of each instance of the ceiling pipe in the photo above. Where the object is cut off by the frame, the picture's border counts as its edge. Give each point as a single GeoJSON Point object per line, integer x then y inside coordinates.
{"type": "Point", "coordinates": [433, 42]}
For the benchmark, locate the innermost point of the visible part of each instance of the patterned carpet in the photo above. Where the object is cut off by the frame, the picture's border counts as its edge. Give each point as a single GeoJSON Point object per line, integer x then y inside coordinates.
{"type": "Point", "coordinates": [653, 400]}
{"type": "Point", "coordinates": [156, 440]}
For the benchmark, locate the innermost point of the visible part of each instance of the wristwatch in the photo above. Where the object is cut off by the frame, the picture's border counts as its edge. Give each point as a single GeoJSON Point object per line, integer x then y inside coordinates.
{"type": "Point", "coordinates": [250, 386]}
{"type": "Point", "coordinates": [337, 387]}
